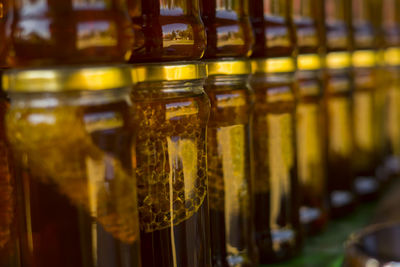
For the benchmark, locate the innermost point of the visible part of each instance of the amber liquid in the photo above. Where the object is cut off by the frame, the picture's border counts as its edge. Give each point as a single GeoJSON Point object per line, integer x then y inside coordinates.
{"type": "Point", "coordinates": [8, 235]}
{"type": "Point", "coordinates": [4, 10]}
{"type": "Point", "coordinates": [228, 28]}
{"type": "Point", "coordinates": [229, 174]}
{"type": "Point", "coordinates": [276, 186]}
{"type": "Point", "coordinates": [166, 30]}
{"type": "Point", "coordinates": [172, 177]}
{"type": "Point", "coordinates": [59, 32]}
{"type": "Point", "coordinates": [76, 198]}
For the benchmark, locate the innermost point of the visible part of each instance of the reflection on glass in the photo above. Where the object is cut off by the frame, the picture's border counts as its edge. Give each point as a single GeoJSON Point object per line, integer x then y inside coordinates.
{"type": "Point", "coordinates": [166, 30]}
{"type": "Point", "coordinates": [70, 32]}
{"type": "Point", "coordinates": [72, 161]}
{"type": "Point", "coordinates": [172, 179]}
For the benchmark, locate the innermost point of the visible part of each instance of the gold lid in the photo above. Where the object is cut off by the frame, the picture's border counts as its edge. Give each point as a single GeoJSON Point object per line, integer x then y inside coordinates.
{"type": "Point", "coordinates": [338, 60]}
{"type": "Point", "coordinates": [67, 79]}
{"type": "Point", "coordinates": [364, 58]}
{"type": "Point", "coordinates": [273, 65]}
{"type": "Point", "coordinates": [169, 72]}
{"type": "Point", "coordinates": [229, 67]}
{"type": "Point", "coordinates": [308, 62]}
{"type": "Point", "coordinates": [392, 56]}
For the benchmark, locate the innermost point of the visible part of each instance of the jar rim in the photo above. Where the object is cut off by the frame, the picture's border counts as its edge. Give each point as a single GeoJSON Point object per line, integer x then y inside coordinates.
{"type": "Point", "coordinates": [273, 65]}
{"type": "Point", "coordinates": [61, 79]}
{"type": "Point", "coordinates": [169, 71]}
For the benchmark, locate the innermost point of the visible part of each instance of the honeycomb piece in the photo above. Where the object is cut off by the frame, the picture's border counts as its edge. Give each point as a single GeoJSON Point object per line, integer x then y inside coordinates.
{"type": "Point", "coordinates": [57, 148]}
{"type": "Point", "coordinates": [171, 161]}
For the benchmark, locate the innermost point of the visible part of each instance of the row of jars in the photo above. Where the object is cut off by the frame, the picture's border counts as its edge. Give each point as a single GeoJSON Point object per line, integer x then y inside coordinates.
{"type": "Point", "coordinates": [185, 163]}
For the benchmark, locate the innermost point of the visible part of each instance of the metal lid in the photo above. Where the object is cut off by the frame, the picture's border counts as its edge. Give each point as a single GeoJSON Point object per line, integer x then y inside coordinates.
{"type": "Point", "coordinates": [229, 67]}
{"type": "Point", "coordinates": [169, 72]}
{"type": "Point", "coordinates": [67, 79]}
{"type": "Point", "coordinates": [273, 65]}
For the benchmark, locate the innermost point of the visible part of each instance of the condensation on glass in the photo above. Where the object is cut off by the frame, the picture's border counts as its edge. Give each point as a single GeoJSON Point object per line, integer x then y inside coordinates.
{"type": "Point", "coordinates": [366, 140]}
{"type": "Point", "coordinates": [229, 164]}
{"type": "Point", "coordinates": [276, 186]}
{"type": "Point", "coordinates": [60, 32]}
{"type": "Point", "coordinates": [309, 120]}
{"type": "Point", "coordinates": [172, 112]}
{"type": "Point", "coordinates": [72, 142]}
{"type": "Point", "coordinates": [8, 231]}
{"type": "Point", "coordinates": [228, 28]}
{"type": "Point", "coordinates": [338, 109]}
{"type": "Point", "coordinates": [166, 30]}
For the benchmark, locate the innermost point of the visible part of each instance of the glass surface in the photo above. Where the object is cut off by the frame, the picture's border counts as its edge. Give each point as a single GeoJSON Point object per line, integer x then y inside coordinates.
{"type": "Point", "coordinates": [275, 187]}
{"type": "Point", "coordinates": [377, 245]}
{"type": "Point", "coordinates": [336, 30]}
{"type": "Point", "coordinates": [166, 30]}
{"type": "Point", "coordinates": [8, 234]}
{"type": "Point", "coordinates": [228, 28]}
{"type": "Point", "coordinates": [171, 172]}
{"type": "Point", "coordinates": [229, 172]}
{"type": "Point", "coordinates": [59, 32]}
{"type": "Point", "coordinates": [76, 192]}
{"type": "Point", "coordinates": [273, 35]}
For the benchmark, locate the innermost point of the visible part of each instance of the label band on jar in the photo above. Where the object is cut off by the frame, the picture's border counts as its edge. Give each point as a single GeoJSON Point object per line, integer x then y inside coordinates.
{"type": "Point", "coordinates": [338, 60]}
{"type": "Point", "coordinates": [392, 56]}
{"type": "Point", "coordinates": [364, 59]}
{"type": "Point", "coordinates": [309, 62]}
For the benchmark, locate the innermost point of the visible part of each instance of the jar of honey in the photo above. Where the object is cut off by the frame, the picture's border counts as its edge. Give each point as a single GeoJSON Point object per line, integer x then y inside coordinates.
{"type": "Point", "coordinates": [8, 229]}
{"type": "Point", "coordinates": [172, 112]}
{"type": "Point", "coordinates": [166, 30]}
{"type": "Point", "coordinates": [276, 188]}
{"type": "Point", "coordinates": [228, 28]}
{"type": "Point", "coordinates": [64, 32]}
{"type": "Point", "coordinates": [310, 120]}
{"type": "Point", "coordinates": [338, 106]}
{"type": "Point", "coordinates": [229, 163]}
{"type": "Point", "coordinates": [364, 62]}
{"type": "Point", "coordinates": [71, 136]}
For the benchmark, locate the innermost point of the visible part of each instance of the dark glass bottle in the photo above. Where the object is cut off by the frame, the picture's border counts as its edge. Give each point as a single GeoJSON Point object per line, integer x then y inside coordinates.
{"type": "Point", "coordinates": [228, 28]}
{"type": "Point", "coordinates": [229, 163]}
{"type": "Point", "coordinates": [365, 159]}
{"type": "Point", "coordinates": [172, 112]}
{"type": "Point", "coordinates": [310, 120]}
{"type": "Point", "coordinates": [166, 30]}
{"type": "Point", "coordinates": [71, 142]}
{"type": "Point", "coordinates": [338, 109]}
{"type": "Point", "coordinates": [60, 32]}
{"type": "Point", "coordinates": [276, 186]}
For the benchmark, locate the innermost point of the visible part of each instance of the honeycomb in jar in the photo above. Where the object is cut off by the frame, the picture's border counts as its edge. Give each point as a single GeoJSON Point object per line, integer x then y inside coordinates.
{"type": "Point", "coordinates": [58, 149]}
{"type": "Point", "coordinates": [171, 162]}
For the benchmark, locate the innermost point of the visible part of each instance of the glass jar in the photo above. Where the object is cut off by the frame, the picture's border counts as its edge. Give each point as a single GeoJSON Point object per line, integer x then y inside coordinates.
{"type": "Point", "coordinates": [166, 30]}
{"type": "Point", "coordinates": [228, 28]}
{"type": "Point", "coordinates": [229, 163]}
{"type": "Point", "coordinates": [8, 230]}
{"type": "Point", "coordinates": [338, 108]}
{"type": "Point", "coordinates": [72, 138]}
{"type": "Point", "coordinates": [4, 11]}
{"type": "Point", "coordinates": [391, 82]}
{"type": "Point", "coordinates": [310, 120]}
{"type": "Point", "coordinates": [60, 32]}
{"type": "Point", "coordinates": [172, 112]}
{"type": "Point", "coordinates": [365, 159]}
{"type": "Point", "coordinates": [276, 188]}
